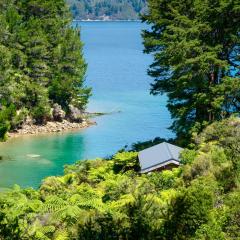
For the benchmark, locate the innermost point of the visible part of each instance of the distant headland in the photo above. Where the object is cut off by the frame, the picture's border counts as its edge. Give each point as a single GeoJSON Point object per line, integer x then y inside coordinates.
{"type": "Point", "coordinates": [89, 10]}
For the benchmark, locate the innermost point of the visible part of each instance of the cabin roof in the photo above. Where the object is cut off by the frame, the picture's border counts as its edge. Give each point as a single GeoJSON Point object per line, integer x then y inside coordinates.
{"type": "Point", "coordinates": [158, 156]}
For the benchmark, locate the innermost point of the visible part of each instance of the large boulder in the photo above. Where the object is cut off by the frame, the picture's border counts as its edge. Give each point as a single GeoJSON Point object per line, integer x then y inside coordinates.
{"type": "Point", "coordinates": [57, 113]}
{"type": "Point", "coordinates": [75, 114]}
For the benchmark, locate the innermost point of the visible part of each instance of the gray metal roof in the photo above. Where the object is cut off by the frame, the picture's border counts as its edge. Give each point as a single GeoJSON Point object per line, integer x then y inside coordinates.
{"type": "Point", "coordinates": [156, 156]}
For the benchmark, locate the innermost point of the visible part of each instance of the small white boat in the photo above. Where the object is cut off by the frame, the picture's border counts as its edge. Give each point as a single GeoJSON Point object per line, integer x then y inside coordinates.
{"type": "Point", "coordinates": [33, 155]}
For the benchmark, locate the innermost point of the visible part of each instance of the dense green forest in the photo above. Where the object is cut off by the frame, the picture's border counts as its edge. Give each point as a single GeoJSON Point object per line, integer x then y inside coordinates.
{"type": "Point", "coordinates": [41, 62]}
{"type": "Point", "coordinates": [107, 9]}
{"type": "Point", "coordinates": [196, 48]}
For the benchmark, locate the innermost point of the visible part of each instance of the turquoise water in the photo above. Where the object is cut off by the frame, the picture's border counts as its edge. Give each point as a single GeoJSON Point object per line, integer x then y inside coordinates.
{"type": "Point", "coordinates": [117, 73]}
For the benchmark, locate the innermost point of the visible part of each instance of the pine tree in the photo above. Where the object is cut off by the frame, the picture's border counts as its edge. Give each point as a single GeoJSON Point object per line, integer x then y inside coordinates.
{"type": "Point", "coordinates": [196, 50]}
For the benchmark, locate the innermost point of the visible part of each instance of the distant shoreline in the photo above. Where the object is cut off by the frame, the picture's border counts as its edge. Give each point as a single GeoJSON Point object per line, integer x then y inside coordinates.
{"type": "Point", "coordinates": [98, 20]}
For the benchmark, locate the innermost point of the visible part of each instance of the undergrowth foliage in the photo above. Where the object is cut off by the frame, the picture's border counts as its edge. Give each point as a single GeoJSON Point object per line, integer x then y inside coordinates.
{"type": "Point", "coordinates": [109, 199]}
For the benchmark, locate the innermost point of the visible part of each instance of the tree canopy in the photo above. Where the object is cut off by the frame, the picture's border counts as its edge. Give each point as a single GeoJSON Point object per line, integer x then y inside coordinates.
{"type": "Point", "coordinates": [196, 59]}
{"type": "Point", "coordinates": [41, 61]}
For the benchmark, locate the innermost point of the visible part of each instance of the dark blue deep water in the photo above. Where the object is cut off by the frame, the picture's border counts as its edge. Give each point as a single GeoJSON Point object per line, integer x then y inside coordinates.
{"type": "Point", "coordinates": [117, 72]}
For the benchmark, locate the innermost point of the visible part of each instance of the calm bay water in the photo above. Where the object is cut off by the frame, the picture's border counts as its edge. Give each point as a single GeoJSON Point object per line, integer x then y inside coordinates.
{"type": "Point", "coordinates": [117, 73]}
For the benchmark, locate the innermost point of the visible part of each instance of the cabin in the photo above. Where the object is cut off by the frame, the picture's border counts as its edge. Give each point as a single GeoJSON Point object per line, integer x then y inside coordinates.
{"type": "Point", "coordinates": [163, 156]}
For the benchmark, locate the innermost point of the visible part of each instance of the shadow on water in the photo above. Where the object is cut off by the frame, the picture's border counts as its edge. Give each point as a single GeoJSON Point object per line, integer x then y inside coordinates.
{"type": "Point", "coordinates": [5, 158]}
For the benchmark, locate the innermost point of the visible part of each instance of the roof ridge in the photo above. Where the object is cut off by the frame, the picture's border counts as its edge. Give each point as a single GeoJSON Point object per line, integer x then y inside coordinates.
{"type": "Point", "coordinates": [154, 146]}
{"type": "Point", "coordinates": [170, 153]}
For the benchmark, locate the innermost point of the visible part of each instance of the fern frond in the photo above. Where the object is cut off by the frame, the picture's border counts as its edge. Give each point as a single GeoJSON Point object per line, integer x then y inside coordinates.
{"type": "Point", "coordinates": [61, 234]}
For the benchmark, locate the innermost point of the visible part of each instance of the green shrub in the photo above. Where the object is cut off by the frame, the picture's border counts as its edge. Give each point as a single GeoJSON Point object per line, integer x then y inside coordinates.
{"type": "Point", "coordinates": [19, 119]}
{"type": "Point", "coordinates": [41, 113]}
{"type": "Point", "coordinates": [125, 161]}
{"type": "Point", "coordinates": [7, 113]}
{"type": "Point", "coordinates": [4, 128]}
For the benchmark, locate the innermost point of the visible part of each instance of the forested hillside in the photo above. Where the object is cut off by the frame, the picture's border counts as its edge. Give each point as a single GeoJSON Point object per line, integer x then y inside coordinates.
{"type": "Point", "coordinates": [196, 63]}
{"type": "Point", "coordinates": [107, 9]}
{"type": "Point", "coordinates": [41, 62]}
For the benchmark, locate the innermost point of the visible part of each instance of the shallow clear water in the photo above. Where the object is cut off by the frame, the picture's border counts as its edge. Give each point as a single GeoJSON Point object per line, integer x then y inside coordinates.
{"type": "Point", "coordinates": [117, 72]}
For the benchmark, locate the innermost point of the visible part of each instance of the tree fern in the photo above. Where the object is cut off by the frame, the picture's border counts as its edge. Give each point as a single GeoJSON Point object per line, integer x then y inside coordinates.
{"type": "Point", "coordinates": [53, 204]}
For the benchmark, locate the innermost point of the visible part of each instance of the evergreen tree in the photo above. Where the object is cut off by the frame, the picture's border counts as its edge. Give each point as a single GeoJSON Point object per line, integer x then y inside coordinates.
{"type": "Point", "coordinates": [196, 59]}
{"type": "Point", "coordinates": [41, 60]}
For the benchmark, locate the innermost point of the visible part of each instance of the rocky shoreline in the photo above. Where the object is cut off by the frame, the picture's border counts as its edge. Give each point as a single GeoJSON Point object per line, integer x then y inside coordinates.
{"type": "Point", "coordinates": [50, 127]}
{"type": "Point", "coordinates": [58, 121]}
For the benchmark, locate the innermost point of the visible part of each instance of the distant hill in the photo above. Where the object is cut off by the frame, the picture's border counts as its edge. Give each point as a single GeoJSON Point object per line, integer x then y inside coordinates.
{"type": "Point", "coordinates": [107, 9]}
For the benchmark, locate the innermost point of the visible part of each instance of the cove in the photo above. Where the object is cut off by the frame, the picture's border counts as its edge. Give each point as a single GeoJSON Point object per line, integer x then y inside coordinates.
{"type": "Point", "coordinates": [117, 72]}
